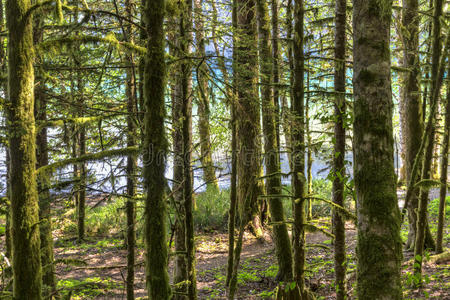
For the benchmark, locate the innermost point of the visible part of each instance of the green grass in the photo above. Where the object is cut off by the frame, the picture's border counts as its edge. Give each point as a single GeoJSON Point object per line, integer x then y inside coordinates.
{"type": "Point", "coordinates": [88, 288]}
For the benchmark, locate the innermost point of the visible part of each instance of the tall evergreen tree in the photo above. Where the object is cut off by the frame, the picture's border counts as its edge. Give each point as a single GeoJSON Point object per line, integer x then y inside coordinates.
{"type": "Point", "coordinates": [340, 263]}
{"type": "Point", "coordinates": [379, 247]}
{"type": "Point", "coordinates": [271, 155]}
{"type": "Point", "coordinates": [22, 149]}
{"type": "Point", "coordinates": [298, 147]}
{"type": "Point", "coordinates": [155, 152]}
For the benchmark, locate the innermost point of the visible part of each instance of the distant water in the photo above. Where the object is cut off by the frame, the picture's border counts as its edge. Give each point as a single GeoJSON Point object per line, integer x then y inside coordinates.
{"type": "Point", "coordinates": [109, 176]}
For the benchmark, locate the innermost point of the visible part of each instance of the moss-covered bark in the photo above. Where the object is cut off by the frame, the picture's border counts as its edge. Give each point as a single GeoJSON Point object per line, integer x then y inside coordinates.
{"type": "Point", "coordinates": [186, 130]}
{"type": "Point", "coordinates": [411, 117]}
{"type": "Point", "coordinates": [45, 226]}
{"type": "Point", "coordinates": [22, 140]}
{"type": "Point", "coordinates": [298, 148]}
{"type": "Point", "coordinates": [437, 72]}
{"type": "Point", "coordinates": [180, 271]}
{"type": "Point", "coordinates": [155, 152]}
{"type": "Point", "coordinates": [271, 155]}
{"type": "Point", "coordinates": [248, 124]}
{"type": "Point", "coordinates": [233, 179]}
{"type": "Point", "coordinates": [340, 261]}
{"type": "Point", "coordinates": [3, 68]}
{"type": "Point", "coordinates": [444, 168]}
{"type": "Point", "coordinates": [130, 90]}
{"type": "Point", "coordinates": [209, 175]}
{"type": "Point", "coordinates": [379, 246]}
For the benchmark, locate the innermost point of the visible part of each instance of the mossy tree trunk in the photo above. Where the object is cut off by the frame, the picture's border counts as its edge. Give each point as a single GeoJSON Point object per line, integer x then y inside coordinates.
{"type": "Point", "coordinates": [436, 81]}
{"type": "Point", "coordinates": [412, 120]}
{"type": "Point", "coordinates": [4, 86]}
{"type": "Point", "coordinates": [186, 130]}
{"type": "Point", "coordinates": [298, 148]}
{"type": "Point", "coordinates": [379, 246]}
{"type": "Point", "coordinates": [276, 68]}
{"type": "Point", "coordinates": [45, 226]}
{"type": "Point", "coordinates": [180, 268]}
{"type": "Point", "coordinates": [340, 261]}
{"type": "Point", "coordinates": [271, 155]}
{"type": "Point", "coordinates": [285, 104]}
{"type": "Point", "coordinates": [155, 152]}
{"type": "Point", "coordinates": [233, 179]}
{"type": "Point", "coordinates": [412, 125]}
{"type": "Point", "coordinates": [26, 263]}
{"type": "Point", "coordinates": [444, 169]}
{"type": "Point", "coordinates": [132, 121]}
{"type": "Point", "coordinates": [209, 174]}
{"type": "Point", "coordinates": [309, 158]}
{"type": "Point", "coordinates": [247, 111]}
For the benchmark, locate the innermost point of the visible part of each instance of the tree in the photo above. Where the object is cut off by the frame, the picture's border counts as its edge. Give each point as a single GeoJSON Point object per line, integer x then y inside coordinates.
{"type": "Point", "coordinates": [444, 167]}
{"type": "Point", "coordinates": [155, 151]}
{"type": "Point", "coordinates": [412, 120]}
{"type": "Point", "coordinates": [298, 148]}
{"type": "Point", "coordinates": [248, 126]}
{"type": "Point", "coordinates": [45, 227]}
{"type": "Point", "coordinates": [340, 262]}
{"type": "Point", "coordinates": [379, 247]}
{"type": "Point", "coordinates": [209, 172]}
{"type": "Point", "coordinates": [271, 155]}
{"type": "Point", "coordinates": [436, 81]}
{"type": "Point", "coordinates": [26, 264]}
{"type": "Point", "coordinates": [130, 91]}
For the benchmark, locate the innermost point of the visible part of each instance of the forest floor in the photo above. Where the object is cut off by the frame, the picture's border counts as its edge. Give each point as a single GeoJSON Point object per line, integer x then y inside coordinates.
{"type": "Point", "coordinates": [103, 276]}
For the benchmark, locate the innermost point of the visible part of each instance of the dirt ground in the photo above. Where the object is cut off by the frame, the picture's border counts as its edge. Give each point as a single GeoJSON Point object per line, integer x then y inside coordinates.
{"type": "Point", "coordinates": [106, 262]}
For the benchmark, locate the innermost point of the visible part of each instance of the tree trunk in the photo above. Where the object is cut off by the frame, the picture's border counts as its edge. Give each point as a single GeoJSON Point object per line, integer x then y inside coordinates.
{"type": "Point", "coordinates": [309, 159]}
{"type": "Point", "coordinates": [248, 125]}
{"type": "Point", "coordinates": [186, 151]}
{"type": "Point", "coordinates": [298, 148]}
{"type": "Point", "coordinates": [45, 227]}
{"type": "Point", "coordinates": [155, 153]}
{"type": "Point", "coordinates": [444, 167]}
{"type": "Point", "coordinates": [379, 244]}
{"type": "Point", "coordinates": [276, 69]}
{"type": "Point", "coordinates": [186, 125]}
{"type": "Point", "coordinates": [209, 175]}
{"type": "Point", "coordinates": [436, 81]}
{"type": "Point", "coordinates": [132, 119]}
{"type": "Point", "coordinates": [271, 156]}
{"type": "Point", "coordinates": [233, 180]}
{"type": "Point", "coordinates": [412, 121]}
{"type": "Point", "coordinates": [340, 261]}
{"type": "Point", "coordinates": [26, 264]}
{"type": "Point", "coordinates": [180, 268]}
{"type": "Point", "coordinates": [4, 86]}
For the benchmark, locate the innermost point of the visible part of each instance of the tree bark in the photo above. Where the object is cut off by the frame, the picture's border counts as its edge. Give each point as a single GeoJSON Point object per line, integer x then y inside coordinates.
{"type": "Point", "coordinates": [180, 269]}
{"type": "Point", "coordinates": [155, 153]}
{"type": "Point", "coordinates": [45, 227]}
{"type": "Point", "coordinates": [436, 80]}
{"type": "Point", "coordinates": [26, 263]}
{"type": "Point", "coordinates": [412, 120]}
{"type": "Point", "coordinates": [248, 125]}
{"type": "Point", "coordinates": [379, 244]}
{"type": "Point", "coordinates": [340, 261]}
{"type": "Point", "coordinates": [271, 156]}
{"type": "Point", "coordinates": [444, 169]}
{"type": "Point", "coordinates": [298, 148]}
{"type": "Point", "coordinates": [132, 119]}
{"type": "Point", "coordinates": [209, 173]}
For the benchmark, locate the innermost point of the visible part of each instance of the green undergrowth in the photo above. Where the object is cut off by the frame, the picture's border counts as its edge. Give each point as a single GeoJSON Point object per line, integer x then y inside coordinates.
{"type": "Point", "coordinates": [433, 212]}
{"type": "Point", "coordinates": [88, 288]}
